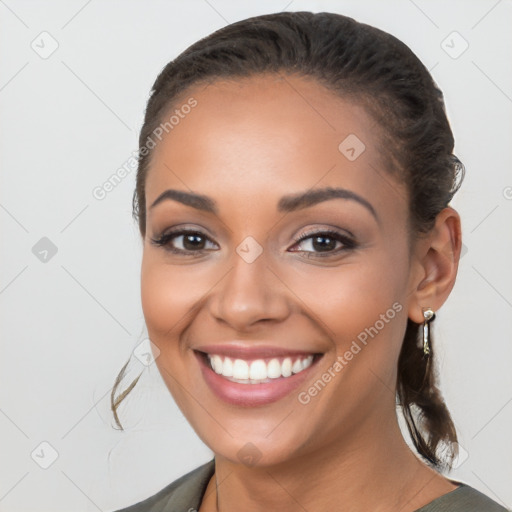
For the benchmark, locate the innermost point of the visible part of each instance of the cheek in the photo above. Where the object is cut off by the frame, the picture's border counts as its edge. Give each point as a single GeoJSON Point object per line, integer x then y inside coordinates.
{"type": "Point", "coordinates": [361, 307]}
{"type": "Point", "coordinates": [351, 297]}
{"type": "Point", "coordinates": [167, 298]}
{"type": "Point", "coordinates": [168, 293]}
{"type": "Point", "coordinates": [159, 296]}
{"type": "Point", "coordinates": [362, 311]}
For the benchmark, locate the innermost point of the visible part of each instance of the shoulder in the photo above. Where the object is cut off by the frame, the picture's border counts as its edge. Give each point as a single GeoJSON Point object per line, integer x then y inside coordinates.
{"type": "Point", "coordinates": [184, 494]}
{"type": "Point", "coordinates": [463, 499]}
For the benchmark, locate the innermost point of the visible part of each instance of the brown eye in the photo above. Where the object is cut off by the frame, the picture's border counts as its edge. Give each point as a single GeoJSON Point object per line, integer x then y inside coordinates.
{"type": "Point", "coordinates": [193, 241]}
{"type": "Point", "coordinates": [184, 242]}
{"type": "Point", "coordinates": [323, 243]}
{"type": "Point", "coordinates": [326, 242]}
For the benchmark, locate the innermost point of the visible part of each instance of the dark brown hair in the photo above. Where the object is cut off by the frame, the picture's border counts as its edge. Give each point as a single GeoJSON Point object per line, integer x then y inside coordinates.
{"type": "Point", "coordinates": [365, 65]}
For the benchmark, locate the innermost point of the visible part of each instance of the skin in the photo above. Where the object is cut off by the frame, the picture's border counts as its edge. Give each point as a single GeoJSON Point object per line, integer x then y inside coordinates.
{"type": "Point", "coordinates": [245, 145]}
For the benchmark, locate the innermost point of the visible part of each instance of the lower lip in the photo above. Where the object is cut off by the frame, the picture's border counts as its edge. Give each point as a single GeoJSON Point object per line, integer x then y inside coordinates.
{"type": "Point", "coordinates": [251, 395]}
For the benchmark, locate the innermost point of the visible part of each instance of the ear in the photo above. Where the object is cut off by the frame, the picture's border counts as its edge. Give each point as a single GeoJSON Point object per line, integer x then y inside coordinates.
{"type": "Point", "coordinates": [435, 264]}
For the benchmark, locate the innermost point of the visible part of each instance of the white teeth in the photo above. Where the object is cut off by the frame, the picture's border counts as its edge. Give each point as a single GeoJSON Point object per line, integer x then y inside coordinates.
{"type": "Point", "coordinates": [274, 369]}
{"type": "Point", "coordinates": [257, 371]}
{"type": "Point", "coordinates": [297, 366]}
{"type": "Point", "coordinates": [217, 364]}
{"type": "Point", "coordinates": [286, 368]}
{"type": "Point", "coordinates": [240, 369]}
{"type": "Point", "coordinates": [227, 367]}
{"type": "Point", "coordinates": [306, 363]}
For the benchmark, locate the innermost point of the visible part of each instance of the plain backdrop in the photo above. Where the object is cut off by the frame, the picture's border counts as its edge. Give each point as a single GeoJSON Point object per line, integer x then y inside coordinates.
{"type": "Point", "coordinates": [74, 79]}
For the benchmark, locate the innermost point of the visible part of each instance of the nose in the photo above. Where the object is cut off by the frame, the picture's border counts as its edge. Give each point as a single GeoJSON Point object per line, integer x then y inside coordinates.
{"type": "Point", "coordinates": [250, 293]}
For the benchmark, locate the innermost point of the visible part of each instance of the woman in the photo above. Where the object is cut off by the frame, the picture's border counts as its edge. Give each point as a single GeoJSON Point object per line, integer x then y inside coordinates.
{"type": "Point", "coordinates": [293, 195]}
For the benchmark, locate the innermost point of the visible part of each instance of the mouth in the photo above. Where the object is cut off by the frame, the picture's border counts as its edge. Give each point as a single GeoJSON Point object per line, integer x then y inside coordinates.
{"type": "Point", "coordinates": [259, 370]}
{"type": "Point", "coordinates": [251, 381]}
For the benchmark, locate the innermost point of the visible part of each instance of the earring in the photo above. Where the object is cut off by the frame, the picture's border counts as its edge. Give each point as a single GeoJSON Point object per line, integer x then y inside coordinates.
{"type": "Point", "coordinates": [428, 315]}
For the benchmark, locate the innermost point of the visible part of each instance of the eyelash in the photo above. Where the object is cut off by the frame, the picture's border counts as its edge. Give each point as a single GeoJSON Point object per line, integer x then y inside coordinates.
{"type": "Point", "coordinates": [348, 244]}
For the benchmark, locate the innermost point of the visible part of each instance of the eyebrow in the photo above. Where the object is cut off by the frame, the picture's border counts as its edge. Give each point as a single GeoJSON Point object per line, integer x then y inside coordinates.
{"type": "Point", "coordinates": [314, 196]}
{"type": "Point", "coordinates": [197, 201]}
{"type": "Point", "coordinates": [289, 203]}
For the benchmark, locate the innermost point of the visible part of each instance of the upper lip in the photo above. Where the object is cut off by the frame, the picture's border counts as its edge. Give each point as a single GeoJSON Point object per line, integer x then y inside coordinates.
{"type": "Point", "coordinates": [241, 351]}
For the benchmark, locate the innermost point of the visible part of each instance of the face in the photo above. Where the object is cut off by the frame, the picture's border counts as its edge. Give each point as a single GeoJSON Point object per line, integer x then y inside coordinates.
{"type": "Point", "coordinates": [278, 320]}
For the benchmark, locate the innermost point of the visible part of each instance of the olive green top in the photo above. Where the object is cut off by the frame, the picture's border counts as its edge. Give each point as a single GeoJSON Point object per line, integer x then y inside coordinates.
{"type": "Point", "coordinates": [186, 494]}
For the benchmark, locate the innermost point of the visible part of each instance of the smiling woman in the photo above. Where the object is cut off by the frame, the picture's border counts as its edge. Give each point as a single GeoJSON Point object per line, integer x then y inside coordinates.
{"type": "Point", "coordinates": [298, 240]}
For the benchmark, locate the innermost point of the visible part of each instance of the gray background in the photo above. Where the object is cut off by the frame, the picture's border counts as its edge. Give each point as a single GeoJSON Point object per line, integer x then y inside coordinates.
{"type": "Point", "coordinates": [71, 319]}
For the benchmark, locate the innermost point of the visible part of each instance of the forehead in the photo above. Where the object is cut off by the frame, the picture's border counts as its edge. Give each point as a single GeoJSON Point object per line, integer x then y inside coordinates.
{"type": "Point", "coordinates": [269, 135]}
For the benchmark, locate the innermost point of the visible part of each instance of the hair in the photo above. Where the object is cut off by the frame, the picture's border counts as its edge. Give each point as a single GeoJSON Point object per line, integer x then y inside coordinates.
{"type": "Point", "coordinates": [362, 64]}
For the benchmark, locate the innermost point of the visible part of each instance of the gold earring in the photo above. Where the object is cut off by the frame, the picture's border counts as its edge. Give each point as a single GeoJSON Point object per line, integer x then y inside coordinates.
{"type": "Point", "coordinates": [428, 315]}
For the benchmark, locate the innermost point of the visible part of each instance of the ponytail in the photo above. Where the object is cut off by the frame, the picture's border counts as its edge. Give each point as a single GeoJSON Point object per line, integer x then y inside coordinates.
{"type": "Point", "coordinates": [427, 417]}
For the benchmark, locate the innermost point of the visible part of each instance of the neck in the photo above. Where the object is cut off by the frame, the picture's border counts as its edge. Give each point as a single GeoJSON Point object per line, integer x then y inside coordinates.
{"type": "Point", "coordinates": [373, 468]}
